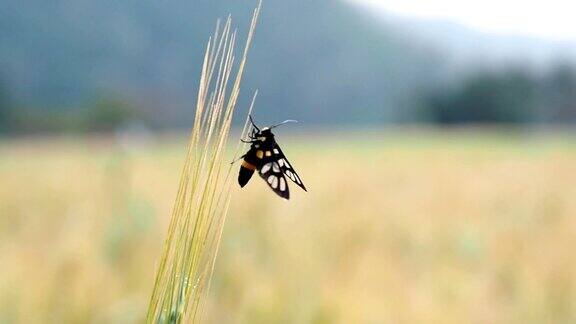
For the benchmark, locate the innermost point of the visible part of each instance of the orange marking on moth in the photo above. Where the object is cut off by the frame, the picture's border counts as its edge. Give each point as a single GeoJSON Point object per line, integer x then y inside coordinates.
{"type": "Point", "coordinates": [259, 154]}
{"type": "Point", "coordinates": [248, 166]}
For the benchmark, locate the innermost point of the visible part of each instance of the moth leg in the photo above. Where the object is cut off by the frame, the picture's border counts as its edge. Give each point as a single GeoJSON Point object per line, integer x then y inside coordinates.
{"type": "Point", "coordinates": [238, 159]}
{"type": "Point", "coordinates": [252, 122]}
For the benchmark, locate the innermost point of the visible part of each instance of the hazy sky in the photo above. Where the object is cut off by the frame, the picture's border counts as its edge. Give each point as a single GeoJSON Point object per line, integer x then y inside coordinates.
{"type": "Point", "coordinates": [554, 19]}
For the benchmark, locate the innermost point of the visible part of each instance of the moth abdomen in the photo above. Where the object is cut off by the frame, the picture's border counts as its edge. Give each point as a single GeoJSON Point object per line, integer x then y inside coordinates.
{"type": "Point", "coordinates": [246, 172]}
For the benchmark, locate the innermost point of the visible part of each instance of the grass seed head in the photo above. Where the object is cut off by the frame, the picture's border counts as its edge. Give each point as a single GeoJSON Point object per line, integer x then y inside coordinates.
{"type": "Point", "coordinates": [190, 249]}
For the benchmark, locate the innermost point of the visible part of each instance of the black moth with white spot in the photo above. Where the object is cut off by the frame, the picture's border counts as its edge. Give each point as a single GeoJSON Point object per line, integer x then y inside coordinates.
{"type": "Point", "coordinates": [267, 158]}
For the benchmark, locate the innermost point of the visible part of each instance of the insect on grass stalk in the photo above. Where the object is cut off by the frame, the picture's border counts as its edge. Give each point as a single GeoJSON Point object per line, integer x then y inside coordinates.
{"type": "Point", "coordinates": [187, 261]}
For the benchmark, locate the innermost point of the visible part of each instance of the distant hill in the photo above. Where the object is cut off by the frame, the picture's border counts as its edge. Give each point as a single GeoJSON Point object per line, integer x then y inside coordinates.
{"type": "Point", "coordinates": [314, 60]}
{"type": "Point", "coordinates": [319, 61]}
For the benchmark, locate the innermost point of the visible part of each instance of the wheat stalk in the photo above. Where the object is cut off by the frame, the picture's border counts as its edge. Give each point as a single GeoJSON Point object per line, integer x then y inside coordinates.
{"type": "Point", "coordinates": [187, 262]}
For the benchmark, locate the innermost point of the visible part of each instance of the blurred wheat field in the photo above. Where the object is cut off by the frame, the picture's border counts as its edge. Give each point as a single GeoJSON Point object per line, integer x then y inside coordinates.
{"type": "Point", "coordinates": [407, 227]}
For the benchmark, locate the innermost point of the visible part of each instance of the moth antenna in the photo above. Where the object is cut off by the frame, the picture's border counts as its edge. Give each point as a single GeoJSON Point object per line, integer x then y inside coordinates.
{"type": "Point", "coordinates": [284, 122]}
{"type": "Point", "coordinates": [252, 122]}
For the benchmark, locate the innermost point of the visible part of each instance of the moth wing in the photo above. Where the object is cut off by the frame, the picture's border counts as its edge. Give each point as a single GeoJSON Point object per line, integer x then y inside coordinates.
{"type": "Point", "coordinates": [273, 176]}
{"type": "Point", "coordinates": [286, 167]}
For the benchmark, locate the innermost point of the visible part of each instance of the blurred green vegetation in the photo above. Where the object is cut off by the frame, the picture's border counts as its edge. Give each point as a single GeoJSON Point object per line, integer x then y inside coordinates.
{"type": "Point", "coordinates": [105, 114]}
{"type": "Point", "coordinates": [108, 114]}
{"type": "Point", "coordinates": [488, 97]}
{"type": "Point", "coordinates": [560, 95]}
{"type": "Point", "coordinates": [507, 96]}
{"type": "Point", "coordinates": [7, 110]}
{"type": "Point", "coordinates": [511, 96]}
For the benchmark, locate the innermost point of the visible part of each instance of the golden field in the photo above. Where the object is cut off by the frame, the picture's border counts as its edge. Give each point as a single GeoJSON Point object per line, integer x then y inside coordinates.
{"type": "Point", "coordinates": [397, 227]}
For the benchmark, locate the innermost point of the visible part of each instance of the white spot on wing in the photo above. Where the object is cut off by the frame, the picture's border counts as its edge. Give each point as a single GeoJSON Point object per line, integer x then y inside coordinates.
{"type": "Point", "coordinates": [285, 163]}
{"type": "Point", "coordinates": [266, 167]}
{"type": "Point", "coordinates": [297, 178]}
{"type": "Point", "coordinates": [273, 181]}
{"type": "Point", "coordinates": [281, 162]}
{"type": "Point", "coordinates": [282, 184]}
{"type": "Point", "coordinates": [275, 167]}
{"type": "Point", "coordinates": [276, 151]}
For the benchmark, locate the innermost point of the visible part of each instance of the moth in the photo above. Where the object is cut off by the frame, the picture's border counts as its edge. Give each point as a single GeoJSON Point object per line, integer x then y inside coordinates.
{"type": "Point", "coordinates": [266, 157]}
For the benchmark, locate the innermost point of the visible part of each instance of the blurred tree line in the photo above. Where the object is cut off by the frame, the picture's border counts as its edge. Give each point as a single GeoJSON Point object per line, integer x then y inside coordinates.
{"type": "Point", "coordinates": [104, 114]}
{"type": "Point", "coordinates": [7, 109]}
{"type": "Point", "coordinates": [512, 95]}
